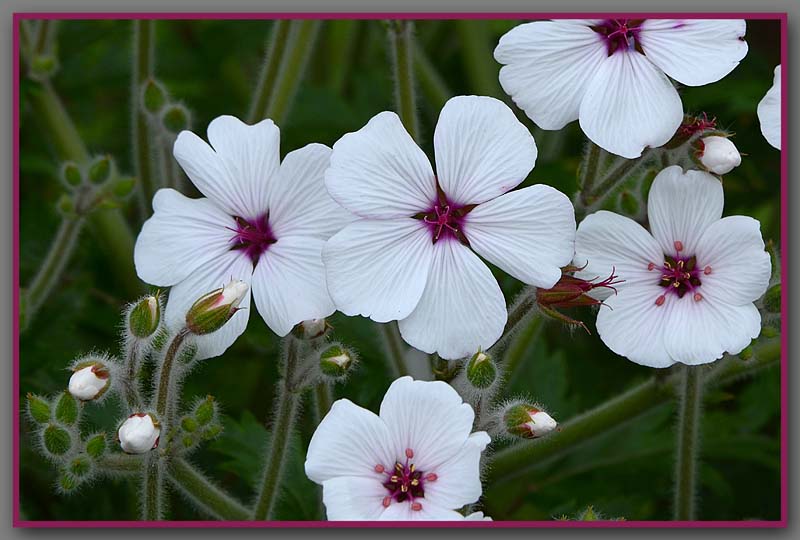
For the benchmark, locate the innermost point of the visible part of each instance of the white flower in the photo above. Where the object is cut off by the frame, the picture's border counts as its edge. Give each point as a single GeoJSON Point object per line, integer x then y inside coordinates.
{"type": "Point", "coordinates": [477, 516]}
{"type": "Point", "coordinates": [263, 222]}
{"type": "Point", "coordinates": [416, 461]}
{"type": "Point", "coordinates": [719, 155]}
{"type": "Point", "coordinates": [769, 112]}
{"type": "Point", "coordinates": [413, 255]}
{"type": "Point", "coordinates": [138, 434]}
{"type": "Point", "coordinates": [688, 287]}
{"type": "Point", "coordinates": [613, 74]}
{"type": "Point", "coordinates": [89, 382]}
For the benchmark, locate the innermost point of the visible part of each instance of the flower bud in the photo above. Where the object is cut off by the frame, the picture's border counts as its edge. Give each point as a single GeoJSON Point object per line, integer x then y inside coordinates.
{"type": "Point", "coordinates": [80, 466]}
{"type": "Point", "coordinates": [175, 118]}
{"type": "Point", "coordinates": [89, 381]}
{"type": "Point", "coordinates": [205, 410]}
{"type": "Point", "coordinates": [211, 311]}
{"type": "Point", "coordinates": [718, 154]}
{"type": "Point", "coordinates": [122, 186]}
{"type": "Point", "coordinates": [66, 205]}
{"type": "Point", "coordinates": [335, 361]}
{"type": "Point", "coordinates": [67, 409]}
{"type": "Point", "coordinates": [38, 409]}
{"type": "Point", "coordinates": [571, 292]}
{"type": "Point", "coordinates": [528, 421]}
{"type": "Point", "coordinates": [139, 433]}
{"type": "Point", "coordinates": [312, 329]}
{"type": "Point", "coordinates": [71, 174]}
{"type": "Point", "coordinates": [100, 170]}
{"type": "Point", "coordinates": [43, 66]}
{"type": "Point", "coordinates": [57, 440]}
{"type": "Point", "coordinates": [96, 445]}
{"type": "Point", "coordinates": [144, 317]}
{"type": "Point", "coordinates": [154, 96]}
{"type": "Point", "coordinates": [481, 371]}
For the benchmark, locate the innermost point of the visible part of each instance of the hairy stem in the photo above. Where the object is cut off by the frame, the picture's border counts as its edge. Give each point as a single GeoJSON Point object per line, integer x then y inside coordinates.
{"type": "Point", "coordinates": [130, 385]}
{"type": "Point", "coordinates": [45, 35]}
{"type": "Point", "coordinates": [269, 71]}
{"type": "Point", "coordinates": [143, 152]}
{"type": "Point", "coordinates": [165, 379]}
{"type": "Point", "coordinates": [589, 170]}
{"type": "Point", "coordinates": [431, 82]}
{"type": "Point", "coordinates": [689, 418]}
{"type": "Point", "coordinates": [323, 399]}
{"type": "Point", "coordinates": [394, 349]}
{"type": "Point", "coordinates": [153, 488]}
{"type": "Point", "coordinates": [287, 405]}
{"type": "Point", "coordinates": [520, 345]}
{"type": "Point", "coordinates": [302, 36]}
{"type": "Point", "coordinates": [204, 494]}
{"type": "Point", "coordinates": [401, 39]}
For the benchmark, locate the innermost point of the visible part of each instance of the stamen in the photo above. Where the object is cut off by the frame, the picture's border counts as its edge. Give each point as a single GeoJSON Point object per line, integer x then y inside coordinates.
{"type": "Point", "coordinates": [409, 453]}
{"type": "Point", "coordinates": [431, 477]}
{"type": "Point", "coordinates": [660, 300]}
{"type": "Point", "coordinates": [707, 270]}
{"type": "Point", "coordinates": [678, 245]}
{"type": "Point", "coordinates": [379, 468]}
{"type": "Point", "coordinates": [416, 506]}
{"type": "Point", "coordinates": [387, 501]}
{"type": "Point", "coordinates": [698, 297]}
{"type": "Point", "coordinates": [651, 266]}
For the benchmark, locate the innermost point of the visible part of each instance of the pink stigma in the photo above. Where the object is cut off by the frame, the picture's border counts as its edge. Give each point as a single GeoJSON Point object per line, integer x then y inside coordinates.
{"type": "Point", "coordinates": [620, 34]}
{"type": "Point", "coordinates": [253, 236]}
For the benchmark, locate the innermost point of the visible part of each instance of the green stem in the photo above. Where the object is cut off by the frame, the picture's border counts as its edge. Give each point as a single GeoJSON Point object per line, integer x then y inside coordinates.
{"type": "Point", "coordinates": [401, 39]}
{"type": "Point", "coordinates": [615, 413]}
{"type": "Point", "coordinates": [322, 399]}
{"type": "Point", "coordinates": [431, 82]}
{"type": "Point", "coordinates": [52, 268]}
{"type": "Point", "coordinates": [394, 349]}
{"type": "Point", "coordinates": [143, 151]}
{"type": "Point", "coordinates": [45, 35]}
{"type": "Point", "coordinates": [205, 494]}
{"type": "Point", "coordinates": [689, 418]}
{"type": "Point", "coordinates": [165, 378]}
{"type": "Point", "coordinates": [591, 200]}
{"type": "Point", "coordinates": [479, 65]}
{"type": "Point", "coordinates": [522, 307]}
{"type": "Point", "coordinates": [153, 488]}
{"type": "Point", "coordinates": [589, 171]}
{"type": "Point", "coordinates": [269, 71]}
{"type": "Point", "coordinates": [302, 36]}
{"type": "Point", "coordinates": [118, 463]}
{"type": "Point", "coordinates": [130, 385]}
{"type": "Point", "coordinates": [287, 405]}
{"type": "Point", "coordinates": [520, 345]}
{"type": "Point", "coordinates": [342, 36]}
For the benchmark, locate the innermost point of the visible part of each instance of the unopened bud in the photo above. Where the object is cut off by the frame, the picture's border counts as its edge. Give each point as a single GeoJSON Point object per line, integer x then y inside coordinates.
{"type": "Point", "coordinates": [100, 170]}
{"type": "Point", "coordinates": [67, 409]}
{"type": "Point", "coordinates": [43, 66]}
{"type": "Point", "coordinates": [89, 380]}
{"type": "Point", "coordinates": [205, 410]}
{"type": "Point", "coordinates": [312, 329]}
{"type": "Point", "coordinates": [38, 409]}
{"type": "Point", "coordinates": [144, 317]}
{"type": "Point", "coordinates": [211, 311]}
{"type": "Point", "coordinates": [96, 445]}
{"type": "Point", "coordinates": [67, 482]}
{"type": "Point", "coordinates": [175, 118]}
{"type": "Point", "coordinates": [80, 466]}
{"type": "Point", "coordinates": [481, 371]}
{"type": "Point", "coordinates": [57, 440]}
{"type": "Point", "coordinates": [572, 292]}
{"type": "Point", "coordinates": [718, 154]}
{"type": "Point", "coordinates": [66, 205]}
{"type": "Point", "coordinates": [154, 96]}
{"type": "Point", "coordinates": [528, 421]}
{"type": "Point", "coordinates": [122, 186]}
{"type": "Point", "coordinates": [139, 433]}
{"type": "Point", "coordinates": [335, 361]}
{"type": "Point", "coordinates": [71, 175]}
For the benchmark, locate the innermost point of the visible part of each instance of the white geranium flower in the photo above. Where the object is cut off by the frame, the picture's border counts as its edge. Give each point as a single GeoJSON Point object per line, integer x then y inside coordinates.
{"type": "Point", "coordinates": [769, 112]}
{"type": "Point", "coordinates": [416, 461]}
{"type": "Point", "coordinates": [413, 255]}
{"type": "Point", "coordinates": [689, 285]}
{"type": "Point", "coordinates": [263, 222]}
{"type": "Point", "coordinates": [613, 74]}
{"type": "Point", "coordinates": [477, 516]}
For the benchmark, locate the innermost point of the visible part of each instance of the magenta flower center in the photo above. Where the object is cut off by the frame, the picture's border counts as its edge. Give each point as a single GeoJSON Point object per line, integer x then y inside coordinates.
{"type": "Point", "coordinates": [680, 275]}
{"type": "Point", "coordinates": [253, 236]}
{"type": "Point", "coordinates": [404, 482]}
{"type": "Point", "coordinates": [620, 34]}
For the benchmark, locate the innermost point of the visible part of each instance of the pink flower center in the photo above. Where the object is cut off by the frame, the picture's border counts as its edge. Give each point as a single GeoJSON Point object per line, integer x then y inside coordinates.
{"type": "Point", "coordinates": [253, 236]}
{"type": "Point", "coordinates": [404, 482]}
{"type": "Point", "coordinates": [680, 275]}
{"type": "Point", "coordinates": [445, 219]}
{"type": "Point", "coordinates": [620, 34]}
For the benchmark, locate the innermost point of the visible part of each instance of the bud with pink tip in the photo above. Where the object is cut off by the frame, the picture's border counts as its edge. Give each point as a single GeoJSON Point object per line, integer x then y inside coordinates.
{"type": "Point", "coordinates": [211, 311]}
{"type": "Point", "coordinates": [312, 329]}
{"type": "Point", "coordinates": [528, 421]}
{"type": "Point", "coordinates": [718, 154]}
{"type": "Point", "coordinates": [139, 433]}
{"type": "Point", "coordinates": [89, 380]}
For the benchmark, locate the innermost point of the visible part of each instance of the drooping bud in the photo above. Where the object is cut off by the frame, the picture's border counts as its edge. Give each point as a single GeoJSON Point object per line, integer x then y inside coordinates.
{"type": "Point", "coordinates": [139, 433]}
{"type": "Point", "coordinates": [312, 329]}
{"type": "Point", "coordinates": [211, 311]}
{"type": "Point", "coordinates": [57, 440]}
{"type": "Point", "coordinates": [335, 361]}
{"type": "Point", "coordinates": [144, 317]}
{"type": "Point", "coordinates": [527, 421]}
{"type": "Point", "coordinates": [67, 409]}
{"type": "Point", "coordinates": [481, 370]}
{"type": "Point", "coordinates": [38, 408]}
{"type": "Point", "coordinates": [71, 175]}
{"type": "Point", "coordinates": [100, 170]}
{"type": "Point", "coordinates": [154, 96]}
{"type": "Point", "coordinates": [89, 380]}
{"type": "Point", "coordinates": [571, 292]}
{"type": "Point", "coordinates": [175, 118]}
{"type": "Point", "coordinates": [718, 154]}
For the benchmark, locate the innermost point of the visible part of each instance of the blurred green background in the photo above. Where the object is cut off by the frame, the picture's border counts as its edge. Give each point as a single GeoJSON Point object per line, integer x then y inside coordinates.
{"type": "Point", "coordinates": [212, 67]}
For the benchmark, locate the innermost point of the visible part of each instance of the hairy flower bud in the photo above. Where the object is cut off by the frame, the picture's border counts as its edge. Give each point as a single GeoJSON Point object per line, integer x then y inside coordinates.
{"type": "Point", "coordinates": [139, 433]}
{"type": "Point", "coordinates": [312, 329]}
{"type": "Point", "coordinates": [211, 311]}
{"type": "Point", "coordinates": [175, 118]}
{"type": "Point", "coordinates": [57, 440]}
{"type": "Point", "coordinates": [481, 371]}
{"type": "Point", "coordinates": [718, 154]}
{"type": "Point", "coordinates": [38, 408]}
{"type": "Point", "coordinates": [96, 445]}
{"type": "Point", "coordinates": [144, 317]}
{"type": "Point", "coordinates": [527, 421]}
{"type": "Point", "coordinates": [100, 170]}
{"type": "Point", "coordinates": [89, 381]}
{"type": "Point", "coordinates": [154, 96]}
{"type": "Point", "coordinates": [66, 409]}
{"type": "Point", "coordinates": [71, 174]}
{"type": "Point", "coordinates": [335, 361]}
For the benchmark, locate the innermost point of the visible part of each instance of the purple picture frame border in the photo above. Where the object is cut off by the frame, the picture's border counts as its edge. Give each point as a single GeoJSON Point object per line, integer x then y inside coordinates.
{"type": "Point", "coordinates": [784, 245]}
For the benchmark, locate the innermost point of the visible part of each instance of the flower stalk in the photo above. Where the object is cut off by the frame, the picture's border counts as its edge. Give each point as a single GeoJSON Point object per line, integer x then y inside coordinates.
{"type": "Point", "coordinates": [689, 418]}
{"type": "Point", "coordinates": [401, 39]}
{"type": "Point", "coordinates": [144, 154]}
{"type": "Point", "coordinates": [204, 494]}
{"type": "Point", "coordinates": [269, 71]}
{"type": "Point", "coordinates": [394, 349]}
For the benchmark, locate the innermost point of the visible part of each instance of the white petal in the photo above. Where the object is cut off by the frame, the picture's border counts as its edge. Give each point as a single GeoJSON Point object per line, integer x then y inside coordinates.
{"type": "Point", "coordinates": [630, 104]}
{"type": "Point", "coordinates": [701, 332]}
{"type": "Point", "coordinates": [378, 268]}
{"type": "Point", "coordinates": [482, 150]}
{"type": "Point", "coordinates": [429, 512]}
{"type": "Point", "coordinates": [459, 479]}
{"type": "Point", "coordinates": [608, 242]}
{"type": "Point", "coordinates": [299, 203]}
{"type": "Point", "coordinates": [477, 516]}
{"type": "Point", "coordinates": [428, 417]}
{"type": "Point", "coordinates": [181, 235]}
{"type": "Point", "coordinates": [350, 441]}
{"type": "Point", "coordinates": [289, 283]}
{"type": "Point", "coordinates": [632, 325]}
{"type": "Point", "coordinates": [380, 172]}
{"type": "Point", "coordinates": [251, 155]}
{"type": "Point", "coordinates": [213, 275]}
{"type": "Point", "coordinates": [769, 112]}
{"type": "Point", "coordinates": [529, 233]}
{"type": "Point", "coordinates": [461, 309]}
{"type": "Point", "coordinates": [353, 498]}
{"type": "Point", "coordinates": [694, 51]}
{"type": "Point", "coordinates": [548, 66]}
{"type": "Point", "coordinates": [681, 206]}
{"type": "Point", "coordinates": [740, 268]}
